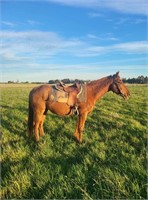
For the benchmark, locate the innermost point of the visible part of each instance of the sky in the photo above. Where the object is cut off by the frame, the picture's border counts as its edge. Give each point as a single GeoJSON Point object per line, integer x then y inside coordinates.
{"type": "Point", "coordinates": [44, 40]}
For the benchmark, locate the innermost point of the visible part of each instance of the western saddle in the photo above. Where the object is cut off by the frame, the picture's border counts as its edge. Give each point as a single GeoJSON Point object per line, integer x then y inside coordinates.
{"type": "Point", "coordinates": [73, 91]}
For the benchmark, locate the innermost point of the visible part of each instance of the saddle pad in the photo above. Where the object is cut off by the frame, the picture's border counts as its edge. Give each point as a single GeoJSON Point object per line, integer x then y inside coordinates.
{"type": "Point", "coordinates": [59, 96]}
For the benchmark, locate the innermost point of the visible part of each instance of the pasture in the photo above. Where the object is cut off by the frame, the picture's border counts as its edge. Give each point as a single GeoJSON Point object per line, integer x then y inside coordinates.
{"type": "Point", "coordinates": [109, 164]}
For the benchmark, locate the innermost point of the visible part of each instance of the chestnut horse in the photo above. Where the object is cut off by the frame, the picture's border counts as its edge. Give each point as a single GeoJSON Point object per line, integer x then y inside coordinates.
{"type": "Point", "coordinates": [40, 102]}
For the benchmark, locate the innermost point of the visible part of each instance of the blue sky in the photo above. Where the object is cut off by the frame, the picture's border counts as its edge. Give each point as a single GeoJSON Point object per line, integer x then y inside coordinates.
{"type": "Point", "coordinates": [85, 39]}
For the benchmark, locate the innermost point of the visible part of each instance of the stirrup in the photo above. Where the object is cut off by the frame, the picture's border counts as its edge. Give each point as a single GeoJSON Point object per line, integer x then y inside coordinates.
{"type": "Point", "coordinates": [75, 110]}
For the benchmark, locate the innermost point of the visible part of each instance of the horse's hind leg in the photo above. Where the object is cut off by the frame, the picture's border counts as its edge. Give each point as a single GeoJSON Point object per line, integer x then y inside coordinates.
{"type": "Point", "coordinates": [41, 123]}
{"type": "Point", "coordinates": [41, 126]}
{"type": "Point", "coordinates": [30, 121]}
{"type": "Point", "coordinates": [38, 123]}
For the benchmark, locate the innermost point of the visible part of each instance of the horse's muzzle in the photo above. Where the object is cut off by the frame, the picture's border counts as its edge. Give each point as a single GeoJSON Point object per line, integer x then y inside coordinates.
{"type": "Point", "coordinates": [126, 96]}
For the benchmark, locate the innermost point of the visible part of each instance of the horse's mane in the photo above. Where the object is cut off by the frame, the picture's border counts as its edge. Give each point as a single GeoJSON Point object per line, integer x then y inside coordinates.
{"type": "Point", "coordinates": [100, 82]}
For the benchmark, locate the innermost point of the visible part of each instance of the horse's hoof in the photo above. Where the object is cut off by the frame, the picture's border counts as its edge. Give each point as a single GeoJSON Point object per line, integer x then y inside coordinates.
{"type": "Point", "coordinates": [38, 140]}
{"type": "Point", "coordinates": [77, 140]}
{"type": "Point", "coordinates": [42, 134]}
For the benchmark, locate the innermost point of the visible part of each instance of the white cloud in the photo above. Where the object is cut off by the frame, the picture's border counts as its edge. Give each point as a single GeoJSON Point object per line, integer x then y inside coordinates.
{"type": "Point", "coordinates": [30, 43]}
{"type": "Point", "coordinates": [41, 53]}
{"type": "Point", "coordinates": [105, 37]}
{"type": "Point", "coordinates": [12, 24]}
{"type": "Point", "coordinates": [124, 6]}
{"type": "Point", "coordinates": [38, 45]}
{"type": "Point", "coordinates": [95, 14]}
{"type": "Point", "coordinates": [130, 20]}
{"type": "Point", "coordinates": [8, 23]}
{"type": "Point", "coordinates": [132, 47]}
{"type": "Point", "coordinates": [32, 22]}
{"type": "Point", "coordinates": [137, 47]}
{"type": "Point", "coordinates": [129, 6]}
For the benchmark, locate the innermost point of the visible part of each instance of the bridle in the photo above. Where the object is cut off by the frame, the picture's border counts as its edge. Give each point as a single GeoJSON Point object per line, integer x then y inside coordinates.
{"type": "Point", "coordinates": [118, 87]}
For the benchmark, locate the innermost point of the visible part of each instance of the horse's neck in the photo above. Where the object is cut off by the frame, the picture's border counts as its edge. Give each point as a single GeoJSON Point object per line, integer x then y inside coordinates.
{"type": "Point", "coordinates": [100, 87]}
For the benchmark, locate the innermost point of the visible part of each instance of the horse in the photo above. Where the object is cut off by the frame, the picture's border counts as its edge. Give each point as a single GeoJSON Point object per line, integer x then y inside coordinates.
{"type": "Point", "coordinates": [40, 102]}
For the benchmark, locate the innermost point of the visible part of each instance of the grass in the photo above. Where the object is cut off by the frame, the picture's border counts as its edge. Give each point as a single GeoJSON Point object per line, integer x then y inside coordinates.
{"type": "Point", "coordinates": [109, 164]}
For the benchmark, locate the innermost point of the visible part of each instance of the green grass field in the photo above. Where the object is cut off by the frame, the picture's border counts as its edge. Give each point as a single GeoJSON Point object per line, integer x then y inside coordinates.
{"type": "Point", "coordinates": [109, 164]}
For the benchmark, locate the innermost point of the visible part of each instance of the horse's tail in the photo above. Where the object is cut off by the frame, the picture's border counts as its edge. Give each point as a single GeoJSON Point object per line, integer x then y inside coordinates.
{"type": "Point", "coordinates": [30, 119]}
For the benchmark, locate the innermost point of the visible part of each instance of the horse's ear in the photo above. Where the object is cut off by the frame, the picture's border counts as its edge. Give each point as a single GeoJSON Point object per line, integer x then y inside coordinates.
{"type": "Point", "coordinates": [117, 73]}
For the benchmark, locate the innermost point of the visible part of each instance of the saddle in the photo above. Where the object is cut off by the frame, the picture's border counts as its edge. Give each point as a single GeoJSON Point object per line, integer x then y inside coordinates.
{"type": "Point", "coordinates": [73, 91]}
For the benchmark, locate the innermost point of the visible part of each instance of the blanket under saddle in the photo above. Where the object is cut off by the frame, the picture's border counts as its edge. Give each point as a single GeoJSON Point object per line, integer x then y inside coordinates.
{"type": "Point", "coordinates": [64, 97]}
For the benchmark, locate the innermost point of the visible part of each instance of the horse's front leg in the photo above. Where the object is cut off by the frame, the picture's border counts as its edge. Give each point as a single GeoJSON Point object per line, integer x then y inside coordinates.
{"type": "Point", "coordinates": [80, 127]}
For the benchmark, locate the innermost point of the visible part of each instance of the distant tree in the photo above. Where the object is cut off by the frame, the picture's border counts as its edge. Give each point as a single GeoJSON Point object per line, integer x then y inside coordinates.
{"type": "Point", "coordinates": [124, 80]}
{"type": "Point", "coordinates": [79, 81]}
{"type": "Point", "coordinates": [146, 80]}
{"type": "Point", "coordinates": [138, 80]}
{"type": "Point", "coordinates": [51, 81]}
{"type": "Point", "coordinates": [66, 80]}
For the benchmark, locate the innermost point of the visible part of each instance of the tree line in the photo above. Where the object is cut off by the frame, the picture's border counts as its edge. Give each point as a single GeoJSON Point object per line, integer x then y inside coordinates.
{"type": "Point", "coordinates": [138, 80]}
{"type": "Point", "coordinates": [67, 81]}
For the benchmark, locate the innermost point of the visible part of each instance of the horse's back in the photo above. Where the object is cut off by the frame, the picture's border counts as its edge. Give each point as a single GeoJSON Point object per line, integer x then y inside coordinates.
{"type": "Point", "coordinates": [40, 93]}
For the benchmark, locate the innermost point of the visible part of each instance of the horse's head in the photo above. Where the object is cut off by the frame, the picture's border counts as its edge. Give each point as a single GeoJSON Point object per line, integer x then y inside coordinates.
{"type": "Point", "coordinates": [119, 87]}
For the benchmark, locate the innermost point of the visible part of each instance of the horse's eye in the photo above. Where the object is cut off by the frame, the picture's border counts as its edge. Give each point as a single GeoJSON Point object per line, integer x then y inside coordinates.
{"type": "Point", "coordinates": [119, 81]}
